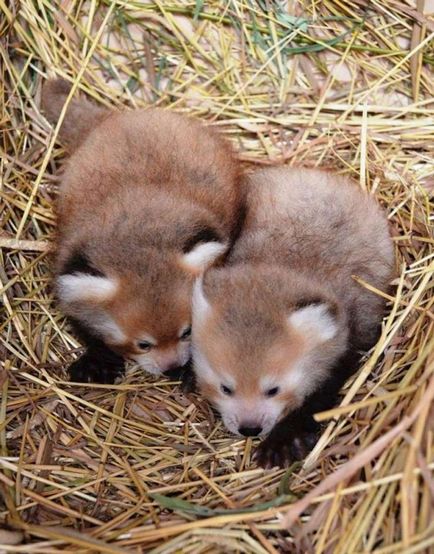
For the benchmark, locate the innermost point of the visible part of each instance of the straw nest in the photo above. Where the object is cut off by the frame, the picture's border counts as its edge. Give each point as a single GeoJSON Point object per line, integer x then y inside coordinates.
{"type": "Point", "coordinates": [138, 467]}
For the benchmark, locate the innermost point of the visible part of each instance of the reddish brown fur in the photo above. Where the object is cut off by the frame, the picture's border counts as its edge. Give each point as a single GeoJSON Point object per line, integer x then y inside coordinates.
{"type": "Point", "coordinates": [306, 233]}
{"type": "Point", "coordinates": [273, 355]}
{"type": "Point", "coordinates": [137, 187]}
{"type": "Point", "coordinates": [153, 161]}
{"type": "Point", "coordinates": [325, 229]}
{"type": "Point", "coordinates": [269, 348]}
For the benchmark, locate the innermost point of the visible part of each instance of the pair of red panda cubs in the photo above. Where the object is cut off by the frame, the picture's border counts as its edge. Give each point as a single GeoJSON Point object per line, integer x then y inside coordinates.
{"type": "Point", "coordinates": [166, 251]}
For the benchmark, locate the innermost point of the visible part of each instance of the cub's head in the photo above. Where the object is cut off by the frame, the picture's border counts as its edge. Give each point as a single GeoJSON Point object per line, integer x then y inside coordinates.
{"type": "Point", "coordinates": [142, 310]}
{"type": "Point", "coordinates": [261, 343]}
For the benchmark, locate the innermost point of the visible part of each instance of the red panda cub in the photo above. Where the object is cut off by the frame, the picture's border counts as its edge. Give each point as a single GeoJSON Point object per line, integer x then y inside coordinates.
{"type": "Point", "coordinates": [279, 328]}
{"type": "Point", "coordinates": [148, 200]}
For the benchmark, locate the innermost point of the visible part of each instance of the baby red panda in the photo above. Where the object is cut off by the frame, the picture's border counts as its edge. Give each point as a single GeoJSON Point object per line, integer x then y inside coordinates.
{"type": "Point", "coordinates": [279, 328]}
{"type": "Point", "coordinates": [148, 200]}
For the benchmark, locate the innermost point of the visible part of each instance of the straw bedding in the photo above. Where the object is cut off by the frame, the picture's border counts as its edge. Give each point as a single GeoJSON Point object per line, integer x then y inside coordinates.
{"type": "Point", "coordinates": [138, 467]}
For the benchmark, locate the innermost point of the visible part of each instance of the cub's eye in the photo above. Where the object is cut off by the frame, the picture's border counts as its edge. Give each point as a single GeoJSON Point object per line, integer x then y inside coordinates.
{"type": "Point", "coordinates": [144, 345]}
{"type": "Point", "coordinates": [272, 392]}
{"type": "Point", "coordinates": [186, 334]}
{"type": "Point", "coordinates": [227, 390]}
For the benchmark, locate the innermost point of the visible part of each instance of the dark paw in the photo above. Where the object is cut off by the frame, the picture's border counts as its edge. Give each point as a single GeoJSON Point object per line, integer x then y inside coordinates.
{"type": "Point", "coordinates": [92, 369]}
{"type": "Point", "coordinates": [188, 382]}
{"type": "Point", "coordinates": [282, 451]}
{"type": "Point", "coordinates": [186, 375]}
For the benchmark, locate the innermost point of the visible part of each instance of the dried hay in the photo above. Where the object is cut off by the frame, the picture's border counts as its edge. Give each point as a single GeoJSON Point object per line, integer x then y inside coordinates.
{"type": "Point", "coordinates": [137, 467]}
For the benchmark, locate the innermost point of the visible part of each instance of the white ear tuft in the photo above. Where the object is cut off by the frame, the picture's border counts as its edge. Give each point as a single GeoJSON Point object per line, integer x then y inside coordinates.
{"type": "Point", "coordinates": [201, 306]}
{"type": "Point", "coordinates": [82, 287]}
{"type": "Point", "coordinates": [315, 319]}
{"type": "Point", "coordinates": [104, 325]}
{"type": "Point", "coordinates": [203, 255]}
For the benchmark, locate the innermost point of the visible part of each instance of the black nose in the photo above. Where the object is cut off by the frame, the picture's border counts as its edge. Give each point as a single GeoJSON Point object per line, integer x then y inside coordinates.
{"type": "Point", "coordinates": [250, 431]}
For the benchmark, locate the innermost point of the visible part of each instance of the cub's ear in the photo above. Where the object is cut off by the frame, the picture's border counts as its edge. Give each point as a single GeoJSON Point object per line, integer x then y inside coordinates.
{"type": "Point", "coordinates": [201, 306]}
{"type": "Point", "coordinates": [81, 117]}
{"type": "Point", "coordinates": [84, 287]}
{"type": "Point", "coordinates": [202, 256]}
{"type": "Point", "coordinates": [317, 320]}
